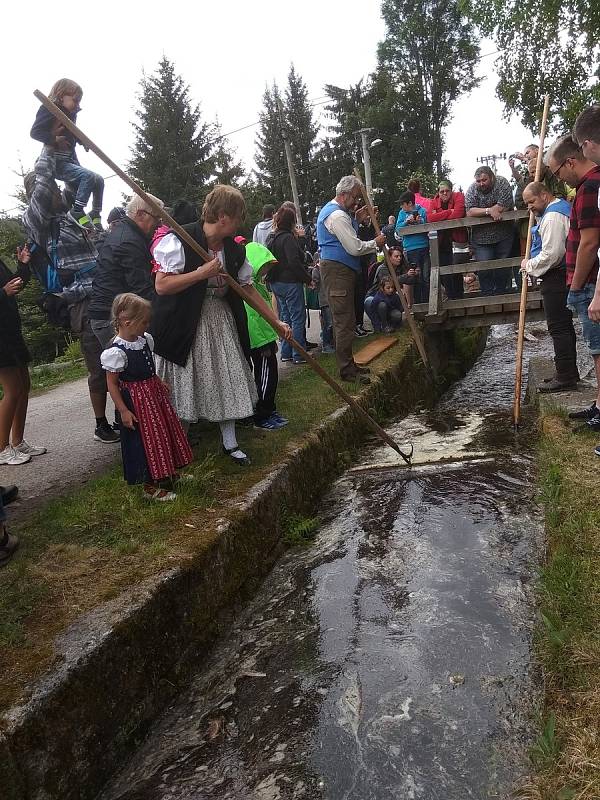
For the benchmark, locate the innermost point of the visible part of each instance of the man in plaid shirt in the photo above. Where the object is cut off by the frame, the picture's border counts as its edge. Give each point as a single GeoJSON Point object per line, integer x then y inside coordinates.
{"type": "Point", "coordinates": [64, 260]}
{"type": "Point", "coordinates": [568, 163]}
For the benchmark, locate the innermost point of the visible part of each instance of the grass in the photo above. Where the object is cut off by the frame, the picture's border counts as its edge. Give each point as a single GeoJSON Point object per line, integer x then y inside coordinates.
{"type": "Point", "coordinates": [91, 545]}
{"type": "Point", "coordinates": [44, 379]}
{"type": "Point", "coordinates": [566, 755]}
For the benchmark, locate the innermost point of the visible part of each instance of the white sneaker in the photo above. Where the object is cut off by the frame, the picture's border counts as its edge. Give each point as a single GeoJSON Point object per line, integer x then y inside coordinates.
{"type": "Point", "coordinates": [27, 449]}
{"type": "Point", "coordinates": [11, 458]}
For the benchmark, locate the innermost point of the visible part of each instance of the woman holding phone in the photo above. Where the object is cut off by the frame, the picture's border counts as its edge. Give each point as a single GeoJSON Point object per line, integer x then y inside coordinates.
{"type": "Point", "coordinates": [14, 372]}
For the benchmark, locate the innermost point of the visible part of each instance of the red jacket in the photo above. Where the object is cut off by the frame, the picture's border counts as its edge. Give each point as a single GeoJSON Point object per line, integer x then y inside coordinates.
{"type": "Point", "coordinates": [454, 210]}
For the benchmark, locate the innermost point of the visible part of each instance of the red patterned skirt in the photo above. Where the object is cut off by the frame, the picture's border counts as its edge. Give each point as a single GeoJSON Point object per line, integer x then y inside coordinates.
{"type": "Point", "coordinates": [158, 446]}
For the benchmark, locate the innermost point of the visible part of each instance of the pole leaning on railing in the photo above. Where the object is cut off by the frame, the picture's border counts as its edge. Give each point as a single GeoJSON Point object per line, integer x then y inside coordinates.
{"type": "Point", "coordinates": [416, 333]}
{"type": "Point", "coordinates": [233, 284]}
{"type": "Point", "coordinates": [523, 305]}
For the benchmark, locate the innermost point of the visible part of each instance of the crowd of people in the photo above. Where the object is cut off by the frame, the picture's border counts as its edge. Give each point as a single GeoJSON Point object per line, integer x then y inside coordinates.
{"type": "Point", "coordinates": [163, 332]}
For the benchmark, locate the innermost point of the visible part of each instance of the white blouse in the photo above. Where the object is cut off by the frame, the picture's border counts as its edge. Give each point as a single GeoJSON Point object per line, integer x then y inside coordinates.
{"type": "Point", "coordinates": [115, 360]}
{"type": "Point", "coordinates": [170, 256]}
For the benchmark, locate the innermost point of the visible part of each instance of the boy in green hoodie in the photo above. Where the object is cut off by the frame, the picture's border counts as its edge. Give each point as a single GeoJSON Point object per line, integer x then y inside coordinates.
{"type": "Point", "coordinates": [263, 343]}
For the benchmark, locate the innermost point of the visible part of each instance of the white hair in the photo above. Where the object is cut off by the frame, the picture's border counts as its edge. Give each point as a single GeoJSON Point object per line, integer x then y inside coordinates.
{"type": "Point", "coordinates": [139, 204]}
{"type": "Point", "coordinates": [347, 184]}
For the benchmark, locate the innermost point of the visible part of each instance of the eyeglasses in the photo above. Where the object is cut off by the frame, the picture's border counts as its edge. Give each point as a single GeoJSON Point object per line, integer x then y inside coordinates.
{"type": "Point", "coordinates": [143, 211]}
{"type": "Point", "coordinates": [556, 172]}
{"type": "Point", "coordinates": [444, 191]}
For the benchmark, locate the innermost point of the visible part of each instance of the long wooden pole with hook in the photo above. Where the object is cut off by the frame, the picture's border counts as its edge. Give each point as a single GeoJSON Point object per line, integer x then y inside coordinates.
{"type": "Point", "coordinates": [416, 333]}
{"type": "Point", "coordinates": [523, 305]}
{"type": "Point", "coordinates": [233, 284]}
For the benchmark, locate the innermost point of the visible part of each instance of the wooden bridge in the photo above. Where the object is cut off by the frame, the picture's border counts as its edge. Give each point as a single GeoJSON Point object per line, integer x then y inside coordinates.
{"type": "Point", "coordinates": [475, 309]}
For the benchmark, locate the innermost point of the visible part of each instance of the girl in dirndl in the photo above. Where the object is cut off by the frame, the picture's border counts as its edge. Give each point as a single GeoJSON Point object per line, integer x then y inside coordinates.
{"type": "Point", "coordinates": [153, 443]}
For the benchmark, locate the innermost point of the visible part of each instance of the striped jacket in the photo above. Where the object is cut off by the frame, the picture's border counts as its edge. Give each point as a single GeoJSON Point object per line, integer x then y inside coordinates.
{"type": "Point", "coordinates": [62, 242]}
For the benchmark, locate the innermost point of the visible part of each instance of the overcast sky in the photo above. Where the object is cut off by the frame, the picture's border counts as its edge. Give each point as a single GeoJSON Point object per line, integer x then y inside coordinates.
{"type": "Point", "coordinates": [227, 52]}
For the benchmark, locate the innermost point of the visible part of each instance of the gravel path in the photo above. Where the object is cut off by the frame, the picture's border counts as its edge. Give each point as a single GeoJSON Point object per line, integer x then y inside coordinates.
{"type": "Point", "coordinates": [61, 420]}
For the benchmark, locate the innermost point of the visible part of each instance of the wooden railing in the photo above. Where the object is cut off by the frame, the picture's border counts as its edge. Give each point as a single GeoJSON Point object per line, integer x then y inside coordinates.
{"type": "Point", "coordinates": [437, 307]}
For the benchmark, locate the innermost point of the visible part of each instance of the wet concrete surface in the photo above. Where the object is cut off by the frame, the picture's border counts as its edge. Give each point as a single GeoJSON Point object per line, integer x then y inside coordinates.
{"type": "Point", "coordinates": [391, 659]}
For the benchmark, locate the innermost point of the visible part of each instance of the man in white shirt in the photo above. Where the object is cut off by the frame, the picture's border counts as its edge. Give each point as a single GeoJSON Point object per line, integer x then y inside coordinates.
{"type": "Point", "coordinates": [547, 263]}
{"type": "Point", "coordinates": [340, 251]}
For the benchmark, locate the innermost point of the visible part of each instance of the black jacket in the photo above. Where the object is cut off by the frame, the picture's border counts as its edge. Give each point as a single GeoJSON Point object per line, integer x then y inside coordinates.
{"type": "Point", "coordinates": [175, 316]}
{"type": "Point", "coordinates": [44, 122]}
{"type": "Point", "coordinates": [10, 320]}
{"type": "Point", "coordinates": [290, 257]}
{"type": "Point", "coordinates": [124, 265]}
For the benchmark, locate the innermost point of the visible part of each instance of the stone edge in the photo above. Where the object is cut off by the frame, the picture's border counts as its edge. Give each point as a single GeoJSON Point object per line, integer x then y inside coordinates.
{"type": "Point", "coordinates": [87, 714]}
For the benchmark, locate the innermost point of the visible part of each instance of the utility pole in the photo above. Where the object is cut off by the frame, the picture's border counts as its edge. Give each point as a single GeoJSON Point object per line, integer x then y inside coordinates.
{"type": "Point", "coordinates": [487, 160]}
{"type": "Point", "coordinates": [290, 163]}
{"type": "Point", "coordinates": [366, 159]}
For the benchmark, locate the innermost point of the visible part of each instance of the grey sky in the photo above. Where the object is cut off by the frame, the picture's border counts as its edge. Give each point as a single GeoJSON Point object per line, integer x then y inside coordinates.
{"type": "Point", "coordinates": [226, 52]}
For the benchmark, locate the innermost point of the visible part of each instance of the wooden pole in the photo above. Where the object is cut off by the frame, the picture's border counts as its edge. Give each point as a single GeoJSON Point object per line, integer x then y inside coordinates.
{"type": "Point", "coordinates": [523, 305]}
{"type": "Point", "coordinates": [416, 333]}
{"type": "Point", "coordinates": [290, 163]}
{"type": "Point", "coordinates": [233, 284]}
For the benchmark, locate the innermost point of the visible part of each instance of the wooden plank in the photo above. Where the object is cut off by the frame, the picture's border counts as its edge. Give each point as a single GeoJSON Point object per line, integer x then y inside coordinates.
{"type": "Point", "coordinates": [484, 321]}
{"type": "Point", "coordinates": [464, 222]}
{"type": "Point", "coordinates": [473, 311]}
{"type": "Point", "coordinates": [456, 312]}
{"type": "Point", "coordinates": [480, 266]}
{"type": "Point", "coordinates": [488, 300]}
{"type": "Point", "coordinates": [435, 286]}
{"type": "Point", "coordinates": [373, 349]}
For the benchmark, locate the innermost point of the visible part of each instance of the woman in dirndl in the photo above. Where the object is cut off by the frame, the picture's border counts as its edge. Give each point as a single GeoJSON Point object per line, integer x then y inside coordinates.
{"type": "Point", "coordinates": [199, 324]}
{"type": "Point", "coordinates": [154, 446]}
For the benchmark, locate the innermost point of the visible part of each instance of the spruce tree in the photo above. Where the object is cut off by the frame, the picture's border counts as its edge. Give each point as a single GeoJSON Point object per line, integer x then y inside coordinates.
{"type": "Point", "coordinates": [227, 169]}
{"type": "Point", "coordinates": [272, 172]}
{"type": "Point", "coordinates": [171, 156]}
{"type": "Point", "coordinates": [302, 132]}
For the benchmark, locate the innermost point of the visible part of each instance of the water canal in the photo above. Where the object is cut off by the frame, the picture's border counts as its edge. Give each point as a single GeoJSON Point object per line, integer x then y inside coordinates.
{"type": "Point", "coordinates": [392, 658]}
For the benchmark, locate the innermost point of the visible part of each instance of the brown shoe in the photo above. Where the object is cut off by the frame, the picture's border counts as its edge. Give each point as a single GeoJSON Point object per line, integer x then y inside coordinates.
{"type": "Point", "coordinates": [354, 376]}
{"type": "Point", "coordinates": [7, 550]}
{"type": "Point", "coordinates": [557, 386]}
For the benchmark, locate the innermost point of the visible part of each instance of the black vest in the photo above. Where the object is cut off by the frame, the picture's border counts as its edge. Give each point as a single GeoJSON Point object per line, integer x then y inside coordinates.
{"type": "Point", "coordinates": [175, 316]}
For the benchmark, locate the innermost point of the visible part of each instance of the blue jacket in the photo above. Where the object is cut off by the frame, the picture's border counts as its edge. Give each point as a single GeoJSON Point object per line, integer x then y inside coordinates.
{"type": "Point", "coordinates": [416, 241]}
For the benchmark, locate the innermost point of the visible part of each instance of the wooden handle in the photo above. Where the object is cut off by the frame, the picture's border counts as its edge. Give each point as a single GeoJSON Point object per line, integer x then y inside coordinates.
{"type": "Point", "coordinates": [523, 304]}
{"type": "Point", "coordinates": [416, 334]}
{"type": "Point", "coordinates": [233, 284]}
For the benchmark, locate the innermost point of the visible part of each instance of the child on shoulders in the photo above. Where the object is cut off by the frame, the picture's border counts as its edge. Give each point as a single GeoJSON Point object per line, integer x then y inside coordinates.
{"type": "Point", "coordinates": [67, 95]}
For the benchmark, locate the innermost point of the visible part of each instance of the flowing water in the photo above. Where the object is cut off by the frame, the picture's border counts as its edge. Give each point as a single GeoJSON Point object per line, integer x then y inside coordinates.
{"type": "Point", "coordinates": [392, 658]}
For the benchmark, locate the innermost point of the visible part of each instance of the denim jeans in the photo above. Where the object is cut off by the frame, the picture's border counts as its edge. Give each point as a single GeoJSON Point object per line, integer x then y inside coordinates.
{"type": "Point", "coordinates": [292, 310]}
{"type": "Point", "coordinates": [371, 312]}
{"type": "Point", "coordinates": [494, 281]}
{"type": "Point", "coordinates": [87, 182]}
{"type": "Point", "coordinates": [579, 301]}
{"type": "Point", "coordinates": [326, 326]}
{"type": "Point", "coordinates": [420, 259]}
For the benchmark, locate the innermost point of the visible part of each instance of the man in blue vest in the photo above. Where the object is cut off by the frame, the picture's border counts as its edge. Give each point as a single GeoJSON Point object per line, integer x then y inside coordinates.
{"type": "Point", "coordinates": [547, 264]}
{"type": "Point", "coordinates": [340, 250]}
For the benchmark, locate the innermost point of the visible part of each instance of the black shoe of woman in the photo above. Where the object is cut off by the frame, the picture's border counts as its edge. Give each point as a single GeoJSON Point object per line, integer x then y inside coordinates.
{"type": "Point", "coordinates": [241, 459]}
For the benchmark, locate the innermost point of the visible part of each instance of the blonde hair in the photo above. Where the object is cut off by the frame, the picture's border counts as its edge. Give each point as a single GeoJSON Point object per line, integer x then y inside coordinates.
{"type": "Point", "coordinates": [223, 200]}
{"type": "Point", "coordinates": [131, 307]}
{"type": "Point", "coordinates": [138, 203]}
{"type": "Point", "coordinates": [65, 86]}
